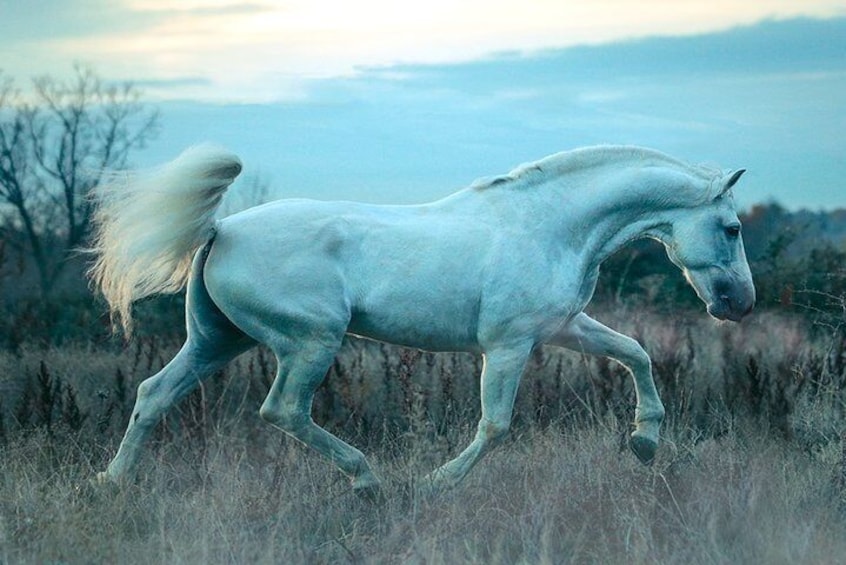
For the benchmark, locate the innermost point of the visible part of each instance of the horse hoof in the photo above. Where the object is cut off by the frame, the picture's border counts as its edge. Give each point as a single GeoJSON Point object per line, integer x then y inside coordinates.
{"type": "Point", "coordinates": [644, 448]}
{"type": "Point", "coordinates": [98, 486]}
{"type": "Point", "coordinates": [434, 485]}
{"type": "Point", "coordinates": [369, 488]}
{"type": "Point", "coordinates": [427, 490]}
{"type": "Point", "coordinates": [372, 494]}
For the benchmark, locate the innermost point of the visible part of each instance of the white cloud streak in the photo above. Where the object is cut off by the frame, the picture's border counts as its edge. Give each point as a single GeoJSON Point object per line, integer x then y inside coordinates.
{"type": "Point", "coordinates": [266, 50]}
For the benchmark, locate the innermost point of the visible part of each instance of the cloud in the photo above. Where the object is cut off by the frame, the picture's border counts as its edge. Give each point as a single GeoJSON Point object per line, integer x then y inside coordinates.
{"type": "Point", "coordinates": [200, 8]}
{"type": "Point", "coordinates": [766, 96]}
{"type": "Point", "coordinates": [261, 50]}
{"type": "Point", "coordinates": [770, 46]}
{"type": "Point", "coordinates": [407, 133]}
{"type": "Point", "coordinates": [27, 24]}
{"type": "Point", "coordinates": [180, 83]}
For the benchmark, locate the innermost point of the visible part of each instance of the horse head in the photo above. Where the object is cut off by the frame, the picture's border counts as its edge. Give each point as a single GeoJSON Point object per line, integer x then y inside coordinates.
{"type": "Point", "coordinates": [705, 242]}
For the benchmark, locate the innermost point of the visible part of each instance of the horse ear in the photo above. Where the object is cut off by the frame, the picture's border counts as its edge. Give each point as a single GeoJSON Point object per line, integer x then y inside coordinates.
{"type": "Point", "coordinates": [732, 180]}
{"type": "Point", "coordinates": [735, 176]}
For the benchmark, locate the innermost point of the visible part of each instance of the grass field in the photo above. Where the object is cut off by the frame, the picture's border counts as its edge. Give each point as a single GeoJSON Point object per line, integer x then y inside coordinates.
{"type": "Point", "coordinates": [752, 468]}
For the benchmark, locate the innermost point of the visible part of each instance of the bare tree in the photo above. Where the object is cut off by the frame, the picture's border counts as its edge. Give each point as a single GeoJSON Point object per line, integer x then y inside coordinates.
{"type": "Point", "coordinates": [55, 143]}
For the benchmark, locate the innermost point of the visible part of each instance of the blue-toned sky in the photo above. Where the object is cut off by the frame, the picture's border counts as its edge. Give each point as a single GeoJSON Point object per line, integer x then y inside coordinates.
{"type": "Point", "coordinates": [405, 102]}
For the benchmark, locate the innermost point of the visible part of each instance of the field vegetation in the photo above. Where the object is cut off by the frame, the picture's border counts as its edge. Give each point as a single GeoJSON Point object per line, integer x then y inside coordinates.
{"type": "Point", "coordinates": [752, 468]}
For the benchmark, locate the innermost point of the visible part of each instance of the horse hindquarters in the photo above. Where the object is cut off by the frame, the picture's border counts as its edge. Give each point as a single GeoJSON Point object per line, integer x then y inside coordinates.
{"type": "Point", "coordinates": [297, 306]}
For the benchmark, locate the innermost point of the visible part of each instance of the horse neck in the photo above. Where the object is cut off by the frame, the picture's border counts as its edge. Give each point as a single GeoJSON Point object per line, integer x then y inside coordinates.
{"type": "Point", "coordinates": [599, 212]}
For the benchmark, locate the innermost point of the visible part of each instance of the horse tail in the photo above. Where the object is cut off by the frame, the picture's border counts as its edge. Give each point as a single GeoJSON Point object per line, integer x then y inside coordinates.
{"type": "Point", "coordinates": [148, 224]}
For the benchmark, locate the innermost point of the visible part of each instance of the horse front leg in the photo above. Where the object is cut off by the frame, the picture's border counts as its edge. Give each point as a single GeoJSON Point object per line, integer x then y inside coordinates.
{"type": "Point", "coordinates": [586, 335]}
{"type": "Point", "coordinates": [501, 372]}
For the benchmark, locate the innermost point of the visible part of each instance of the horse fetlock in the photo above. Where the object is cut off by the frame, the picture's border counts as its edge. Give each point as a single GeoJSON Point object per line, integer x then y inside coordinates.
{"type": "Point", "coordinates": [647, 415]}
{"type": "Point", "coordinates": [100, 487]}
{"type": "Point", "coordinates": [111, 478]}
{"type": "Point", "coordinates": [649, 426]}
{"type": "Point", "coordinates": [494, 431]}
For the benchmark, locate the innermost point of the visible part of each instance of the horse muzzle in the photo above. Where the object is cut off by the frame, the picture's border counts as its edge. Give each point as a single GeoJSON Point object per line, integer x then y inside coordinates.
{"type": "Point", "coordinates": [728, 293]}
{"type": "Point", "coordinates": [732, 298]}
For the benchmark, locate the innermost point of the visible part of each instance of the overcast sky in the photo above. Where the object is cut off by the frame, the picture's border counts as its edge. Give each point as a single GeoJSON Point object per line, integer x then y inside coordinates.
{"type": "Point", "coordinates": [406, 102]}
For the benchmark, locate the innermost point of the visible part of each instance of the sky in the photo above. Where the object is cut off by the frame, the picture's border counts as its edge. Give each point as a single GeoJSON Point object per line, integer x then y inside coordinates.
{"type": "Point", "coordinates": [407, 102]}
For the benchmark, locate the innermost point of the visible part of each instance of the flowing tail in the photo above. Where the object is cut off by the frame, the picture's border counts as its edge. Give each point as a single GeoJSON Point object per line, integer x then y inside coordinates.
{"type": "Point", "coordinates": [148, 224]}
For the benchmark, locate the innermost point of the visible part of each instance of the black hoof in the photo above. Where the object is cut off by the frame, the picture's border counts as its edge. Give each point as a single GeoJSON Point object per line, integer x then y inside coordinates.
{"type": "Point", "coordinates": [644, 448]}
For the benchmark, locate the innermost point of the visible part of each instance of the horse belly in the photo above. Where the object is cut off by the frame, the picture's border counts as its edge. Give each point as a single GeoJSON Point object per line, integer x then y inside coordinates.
{"type": "Point", "coordinates": [417, 328]}
{"type": "Point", "coordinates": [437, 313]}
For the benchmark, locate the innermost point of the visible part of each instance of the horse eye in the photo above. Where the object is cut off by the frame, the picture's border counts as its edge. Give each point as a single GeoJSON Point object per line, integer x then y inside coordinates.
{"type": "Point", "coordinates": [733, 231]}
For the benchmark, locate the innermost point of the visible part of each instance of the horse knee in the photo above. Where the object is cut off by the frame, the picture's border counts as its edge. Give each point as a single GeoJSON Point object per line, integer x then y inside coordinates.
{"type": "Point", "coordinates": [637, 359]}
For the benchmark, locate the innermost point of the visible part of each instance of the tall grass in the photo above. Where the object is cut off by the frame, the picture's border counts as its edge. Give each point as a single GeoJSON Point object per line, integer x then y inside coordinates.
{"type": "Point", "coordinates": [752, 468]}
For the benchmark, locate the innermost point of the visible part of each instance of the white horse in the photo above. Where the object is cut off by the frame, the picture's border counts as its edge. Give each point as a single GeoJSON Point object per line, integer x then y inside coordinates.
{"type": "Point", "coordinates": [496, 269]}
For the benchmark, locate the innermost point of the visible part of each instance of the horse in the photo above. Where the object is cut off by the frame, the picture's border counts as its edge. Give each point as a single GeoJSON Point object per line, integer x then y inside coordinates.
{"type": "Point", "coordinates": [498, 268]}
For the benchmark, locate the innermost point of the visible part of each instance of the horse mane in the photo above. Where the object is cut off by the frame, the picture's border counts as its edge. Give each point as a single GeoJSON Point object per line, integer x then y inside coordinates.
{"type": "Point", "coordinates": [557, 164]}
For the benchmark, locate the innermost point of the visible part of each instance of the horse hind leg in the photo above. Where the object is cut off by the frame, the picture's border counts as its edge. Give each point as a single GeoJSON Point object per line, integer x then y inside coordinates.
{"type": "Point", "coordinates": [193, 364]}
{"type": "Point", "coordinates": [155, 396]}
{"type": "Point", "coordinates": [289, 402]}
{"type": "Point", "coordinates": [212, 342]}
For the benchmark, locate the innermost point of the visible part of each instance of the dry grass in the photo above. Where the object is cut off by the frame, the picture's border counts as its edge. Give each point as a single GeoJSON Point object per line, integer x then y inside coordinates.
{"type": "Point", "coordinates": [549, 496]}
{"type": "Point", "coordinates": [751, 470]}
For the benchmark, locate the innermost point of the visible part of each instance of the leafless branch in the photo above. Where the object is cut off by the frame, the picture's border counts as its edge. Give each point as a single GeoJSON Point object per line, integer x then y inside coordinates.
{"type": "Point", "coordinates": [53, 151]}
